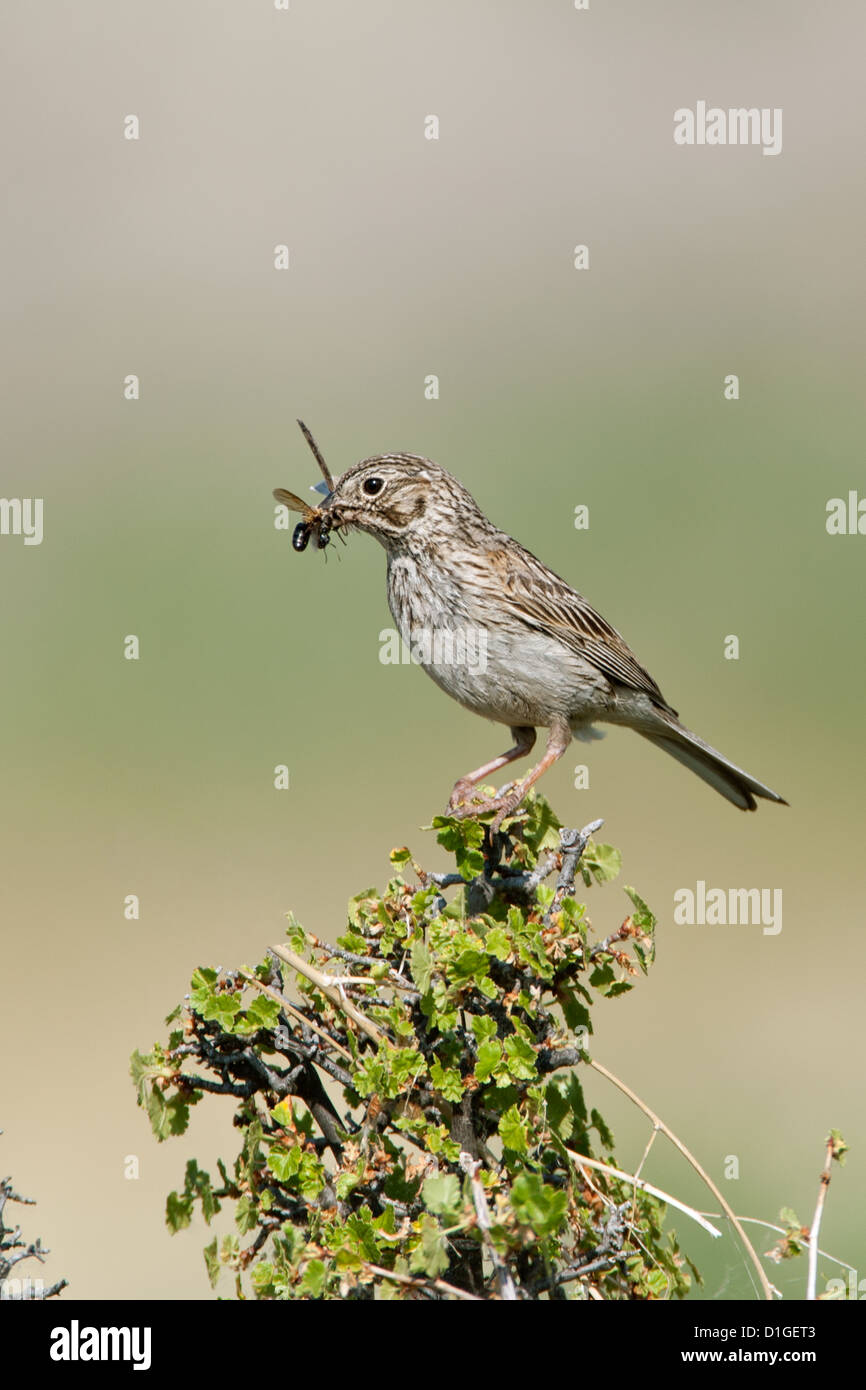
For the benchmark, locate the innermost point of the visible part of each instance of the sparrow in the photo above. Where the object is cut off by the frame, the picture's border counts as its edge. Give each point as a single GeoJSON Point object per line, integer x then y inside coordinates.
{"type": "Point", "coordinates": [500, 632]}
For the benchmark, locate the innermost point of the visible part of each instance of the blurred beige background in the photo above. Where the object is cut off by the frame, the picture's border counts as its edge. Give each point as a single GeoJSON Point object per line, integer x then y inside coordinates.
{"type": "Point", "coordinates": [411, 257]}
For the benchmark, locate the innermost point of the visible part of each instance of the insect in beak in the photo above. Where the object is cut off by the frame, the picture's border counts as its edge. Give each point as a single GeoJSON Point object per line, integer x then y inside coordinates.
{"type": "Point", "coordinates": [315, 523]}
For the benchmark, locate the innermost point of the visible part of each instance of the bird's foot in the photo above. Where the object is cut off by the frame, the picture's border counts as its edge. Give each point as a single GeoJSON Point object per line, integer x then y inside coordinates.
{"type": "Point", "coordinates": [460, 798]}
{"type": "Point", "coordinates": [508, 805]}
{"type": "Point", "coordinates": [460, 808]}
{"type": "Point", "coordinates": [504, 802]}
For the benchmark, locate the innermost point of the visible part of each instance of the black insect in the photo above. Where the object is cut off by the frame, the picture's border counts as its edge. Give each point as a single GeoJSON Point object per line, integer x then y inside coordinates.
{"type": "Point", "coordinates": [314, 527]}
{"type": "Point", "coordinates": [315, 523]}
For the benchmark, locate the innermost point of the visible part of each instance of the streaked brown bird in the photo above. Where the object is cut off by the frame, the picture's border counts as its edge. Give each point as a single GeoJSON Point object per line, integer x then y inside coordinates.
{"type": "Point", "coordinates": [503, 634]}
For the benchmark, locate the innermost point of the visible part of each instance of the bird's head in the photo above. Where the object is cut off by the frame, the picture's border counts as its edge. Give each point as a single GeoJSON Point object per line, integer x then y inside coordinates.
{"type": "Point", "coordinates": [405, 501]}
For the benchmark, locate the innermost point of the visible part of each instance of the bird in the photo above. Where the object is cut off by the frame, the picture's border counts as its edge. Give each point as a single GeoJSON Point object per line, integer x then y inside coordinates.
{"type": "Point", "coordinates": [501, 633]}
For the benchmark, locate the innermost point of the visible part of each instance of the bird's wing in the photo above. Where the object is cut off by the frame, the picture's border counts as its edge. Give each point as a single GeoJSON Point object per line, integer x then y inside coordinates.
{"type": "Point", "coordinates": [544, 601]}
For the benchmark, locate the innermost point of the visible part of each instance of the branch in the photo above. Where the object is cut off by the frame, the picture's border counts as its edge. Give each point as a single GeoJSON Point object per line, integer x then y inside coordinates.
{"type": "Point", "coordinates": [574, 842]}
{"type": "Point", "coordinates": [331, 992]}
{"type": "Point", "coordinates": [644, 1187]}
{"type": "Point", "coordinates": [780, 1231]}
{"type": "Point", "coordinates": [423, 1285]}
{"type": "Point", "coordinates": [295, 1013]}
{"type": "Point", "coordinates": [766, 1286]}
{"type": "Point", "coordinates": [394, 977]}
{"type": "Point", "coordinates": [470, 1166]}
{"type": "Point", "coordinates": [811, 1284]}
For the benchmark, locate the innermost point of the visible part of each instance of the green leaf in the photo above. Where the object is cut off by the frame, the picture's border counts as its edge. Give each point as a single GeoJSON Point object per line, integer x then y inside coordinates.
{"type": "Point", "coordinates": [540, 830]}
{"type": "Point", "coordinates": [464, 839]}
{"type": "Point", "coordinates": [246, 1213]}
{"type": "Point", "coordinates": [448, 1081]}
{"type": "Point", "coordinates": [537, 1205]}
{"type": "Point", "coordinates": [346, 1183]}
{"type": "Point", "coordinates": [211, 1259]}
{"type": "Point", "coordinates": [284, 1163]}
{"type": "Point", "coordinates": [521, 1059]}
{"type": "Point", "coordinates": [178, 1212]}
{"type": "Point", "coordinates": [469, 964]}
{"type": "Point", "coordinates": [840, 1148]}
{"type": "Point", "coordinates": [483, 1026]}
{"type": "Point", "coordinates": [260, 1013]}
{"type": "Point", "coordinates": [497, 944]}
{"type": "Point", "coordinates": [401, 855]}
{"type": "Point", "coordinates": [353, 941]}
{"type": "Point", "coordinates": [489, 1056]}
{"type": "Point", "coordinates": [406, 1064]}
{"type": "Point", "coordinates": [221, 1008]}
{"type": "Point", "coordinates": [600, 862]}
{"type": "Point", "coordinates": [646, 922]}
{"type": "Point", "coordinates": [202, 983]}
{"type": "Point", "coordinates": [513, 1131]}
{"type": "Point", "coordinates": [642, 915]}
{"type": "Point", "coordinates": [442, 1195]}
{"type": "Point", "coordinates": [311, 1177]}
{"type": "Point", "coordinates": [168, 1114]}
{"type": "Point", "coordinates": [431, 1256]}
{"type": "Point", "coordinates": [566, 1108]}
{"type": "Point", "coordinates": [296, 934]}
{"type": "Point", "coordinates": [363, 906]}
{"type": "Point", "coordinates": [421, 965]}
{"type": "Point", "coordinates": [313, 1282]}
{"type": "Point", "coordinates": [576, 1014]}
{"type": "Point", "coordinates": [282, 1115]}
{"type": "Point", "coordinates": [602, 1130]}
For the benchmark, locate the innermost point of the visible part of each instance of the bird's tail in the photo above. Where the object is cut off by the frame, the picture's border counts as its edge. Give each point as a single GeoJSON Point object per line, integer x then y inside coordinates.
{"type": "Point", "coordinates": [731, 781]}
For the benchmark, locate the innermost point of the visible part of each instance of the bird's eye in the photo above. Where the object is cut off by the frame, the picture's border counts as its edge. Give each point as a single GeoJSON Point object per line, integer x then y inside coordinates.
{"type": "Point", "coordinates": [372, 486]}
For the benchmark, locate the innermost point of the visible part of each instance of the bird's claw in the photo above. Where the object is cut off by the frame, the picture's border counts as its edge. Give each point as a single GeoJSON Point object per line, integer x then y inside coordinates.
{"type": "Point", "coordinates": [504, 804]}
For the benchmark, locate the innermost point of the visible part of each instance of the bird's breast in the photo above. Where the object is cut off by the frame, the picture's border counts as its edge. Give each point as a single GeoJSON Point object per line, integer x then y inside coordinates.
{"type": "Point", "coordinates": [476, 651]}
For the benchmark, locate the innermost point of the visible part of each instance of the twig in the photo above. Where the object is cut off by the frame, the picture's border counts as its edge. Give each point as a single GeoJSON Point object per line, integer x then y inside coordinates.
{"type": "Point", "coordinates": [296, 1013]}
{"type": "Point", "coordinates": [336, 996]}
{"type": "Point", "coordinates": [394, 978]}
{"type": "Point", "coordinates": [780, 1231]}
{"type": "Point", "coordinates": [811, 1285]}
{"type": "Point", "coordinates": [766, 1286]}
{"type": "Point", "coordinates": [644, 1187]}
{"type": "Point", "coordinates": [470, 1166]}
{"type": "Point", "coordinates": [639, 1169]}
{"type": "Point", "coordinates": [621, 934]}
{"type": "Point", "coordinates": [574, 842]}
{"type": "Point", "coordinates": [581, 1271]}
{"type": "Point", "coordinates": [423, 1284]}
{"type": "Point", "coordinates": [525, 884]}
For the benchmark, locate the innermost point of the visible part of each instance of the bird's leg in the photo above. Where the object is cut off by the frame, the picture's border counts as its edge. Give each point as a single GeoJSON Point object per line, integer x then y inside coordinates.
{"type": "Point", "coordinates": [558, 740]}
{"type": "Point", "coordinates": [524, 740]}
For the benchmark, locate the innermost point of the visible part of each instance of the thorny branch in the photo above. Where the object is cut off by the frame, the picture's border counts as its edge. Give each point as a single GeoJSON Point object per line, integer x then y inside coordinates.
{"type": "Point", "coordinates": [10, 1240]}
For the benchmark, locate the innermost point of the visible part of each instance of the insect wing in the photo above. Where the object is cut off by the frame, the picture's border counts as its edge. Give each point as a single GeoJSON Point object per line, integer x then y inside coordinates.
{"type": "Point", "coordinates": [288, 499]}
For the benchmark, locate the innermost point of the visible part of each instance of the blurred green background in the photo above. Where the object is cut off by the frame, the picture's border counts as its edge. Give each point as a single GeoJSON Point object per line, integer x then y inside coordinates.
{"type": "Point", "coordinates": [411, 257]}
